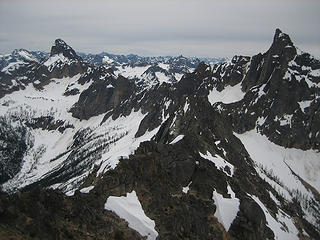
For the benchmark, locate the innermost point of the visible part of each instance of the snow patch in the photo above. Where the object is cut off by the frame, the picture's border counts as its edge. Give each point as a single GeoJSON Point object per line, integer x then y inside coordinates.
{"type": "Point", "coordinates": [37, 82]}
{"type": "Point", "coordinates": [106, 59]}
{"type": "Point", "coordinates": [227, 95]}
{"type": "Point", "coordinates": [260, 121]}
{"type": "Point", "coordinates": [129, 208]}
{"type": "Point", "coordinates": [167, 104]}
{"type": "Point", "coordinates": [286, 120]}
{"type": "Point", "coordinates": [12, 66]}
{"type": "Point", "coordinates": [186, 106]}
{"type": "Point", "coordinates": [219, 162]}
{"type": "Point", "coordinates": [53, 59]}
{"type": "Point", "coordinates": [227, 208]}
{"type": "Point", "coordinates": [305, 104]}
{"type": "Point", "coordinates": [86, 189]}
{"type": "Point", "coordinates": [162, 77]}
{"type": "Point", "coordinates": [177, 139]}
{"type": "Point", "coordinates": [131, 72]}
{"type": "Point", "coordinates": [315, 73]}
{"type": "Point", "coordinates": [178, 76]}
{"type": "Point", "coordinates": [186, 189]}
{"type": "Point", "coordinates": [287, 76]}
{"type": "Point", "coordinates": [26, 55]}
{"type": "Point", "coordinates": [164, 66]}
{"type": "Point", "coordinates": [312, 84]}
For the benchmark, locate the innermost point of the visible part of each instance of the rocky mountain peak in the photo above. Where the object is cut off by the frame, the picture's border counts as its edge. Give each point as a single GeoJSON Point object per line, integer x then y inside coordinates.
{"type": "Point", "coordinates": [62, 62]}
{"type": "Point", "coordinates": [279, 35]}
{"type": "Point", "coordinates": [60, 47]}
{"type": "Point", "coordinates": [282, 46]}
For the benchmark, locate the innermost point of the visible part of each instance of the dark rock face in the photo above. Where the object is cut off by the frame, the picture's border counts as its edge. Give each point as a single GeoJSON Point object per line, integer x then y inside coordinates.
{"type": "Point", "coordinates": [67, 70]}
{"type": "Point", "coordinates": [102, 96]}
{"type": "Point", "coordinates": [93, 101]}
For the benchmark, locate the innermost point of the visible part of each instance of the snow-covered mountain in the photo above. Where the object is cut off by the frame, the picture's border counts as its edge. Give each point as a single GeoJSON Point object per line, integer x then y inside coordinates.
{"type": "Point", "coordinates": [161, 148]}
{"type": "Point", "coordinates": [148, 71]}
{"type": "Point", "coordinates": [135, 60]}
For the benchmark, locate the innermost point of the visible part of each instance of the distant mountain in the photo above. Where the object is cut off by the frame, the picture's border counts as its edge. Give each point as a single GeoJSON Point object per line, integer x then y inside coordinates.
{"type": "Point", "coordinates": [132, 59]}
{"type": "Point", "coordinates": [127, 147]}
{"type": "Point", "coordinates": [19, 56]}
{"type": "Point", "coordinates": [148, 71]}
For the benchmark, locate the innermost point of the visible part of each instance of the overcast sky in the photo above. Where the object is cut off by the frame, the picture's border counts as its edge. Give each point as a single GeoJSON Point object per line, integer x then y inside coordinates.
{"type": "Point", "coordinates": [200, 28]}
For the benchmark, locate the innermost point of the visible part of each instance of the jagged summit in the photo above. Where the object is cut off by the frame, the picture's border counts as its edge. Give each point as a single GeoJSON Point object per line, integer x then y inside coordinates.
{"type": "Point", "coordinates": [282, 46]}
{"type": "Point", "coordinates": [60, 47]}
{"type": "Point", "coordinates": [279, 35]}
{"type": "Point", "coordinates": [62, 62]}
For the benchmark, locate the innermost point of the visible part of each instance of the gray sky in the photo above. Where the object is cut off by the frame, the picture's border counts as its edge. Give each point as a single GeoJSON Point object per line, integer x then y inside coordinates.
{"type": "Point", "coordinates": [159, 27]}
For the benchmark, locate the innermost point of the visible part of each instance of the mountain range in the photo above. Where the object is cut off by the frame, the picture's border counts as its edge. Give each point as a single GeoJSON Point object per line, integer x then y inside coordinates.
{"type": "Point", "coordinates": [126, 147]}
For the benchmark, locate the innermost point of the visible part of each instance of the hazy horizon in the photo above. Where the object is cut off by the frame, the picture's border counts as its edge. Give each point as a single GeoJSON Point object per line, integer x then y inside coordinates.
{"type": "Point", "coordinates": [190, 28]}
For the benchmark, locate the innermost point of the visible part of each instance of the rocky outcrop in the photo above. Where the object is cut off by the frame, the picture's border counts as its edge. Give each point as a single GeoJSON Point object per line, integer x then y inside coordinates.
{"type": "Point", "coordinates": [251, 222]}
{"type": "Point", "coordinates": [48, 123]}
{"type": "Point", "coordinates": [102, 96]}
{"type": "Point", "coordinates": [48, 214]}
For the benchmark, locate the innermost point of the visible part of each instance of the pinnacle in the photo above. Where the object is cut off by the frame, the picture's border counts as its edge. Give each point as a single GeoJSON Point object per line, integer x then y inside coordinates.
{"type": "Point", "coordinates": [61, 47]}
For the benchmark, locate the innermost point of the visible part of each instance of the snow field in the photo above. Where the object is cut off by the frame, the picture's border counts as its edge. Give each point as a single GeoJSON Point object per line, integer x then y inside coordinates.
{"type": "Point", "coordinates": [49, 144]}
{"type": "Point", "coordinates": [273, 164]}
{"type": "Point", "coordinates": [282, 227]}
{"type": "Point", "coordinates": [126, 145]}
{"type": "Point", "coordinates": [277, 159]}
